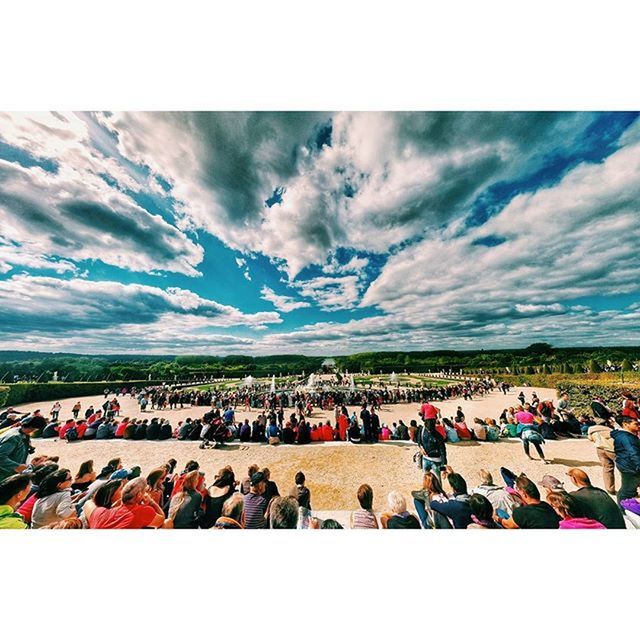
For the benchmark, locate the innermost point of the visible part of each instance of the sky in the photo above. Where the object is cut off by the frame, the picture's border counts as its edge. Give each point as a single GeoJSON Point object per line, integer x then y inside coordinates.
{"type": "Point", "coordinates": [320, 233]}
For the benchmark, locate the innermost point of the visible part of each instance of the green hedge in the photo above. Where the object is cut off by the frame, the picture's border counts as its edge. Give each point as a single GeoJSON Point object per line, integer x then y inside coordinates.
{"type": "Point", "coordinates": [582, 393]}
{"type": "Point", "coordinates": [4, 394]}
{"type": "Point", "coordinates": [24, 392]}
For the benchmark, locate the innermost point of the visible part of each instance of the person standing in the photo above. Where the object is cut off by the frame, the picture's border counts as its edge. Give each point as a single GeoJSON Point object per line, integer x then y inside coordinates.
{"type": "Point", "coordinates": [365, 418]}
{"type": "Point", "coordinates": [600, 435]}
{"type": "Point", "coordinates": [627, 449]}
{"type": "Point", "coordinates": [432, 448]}
{"type": "Point", "coordinates": [76, 410]}
{"type": "Point", "coordinates": [55, 411]}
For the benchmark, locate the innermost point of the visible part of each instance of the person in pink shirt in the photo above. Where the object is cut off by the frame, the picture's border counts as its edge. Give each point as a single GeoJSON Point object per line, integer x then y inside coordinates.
{"type": "Point", "coordinates": [524, 416]}
{"type": "Point", "coordinates": [567, 509]}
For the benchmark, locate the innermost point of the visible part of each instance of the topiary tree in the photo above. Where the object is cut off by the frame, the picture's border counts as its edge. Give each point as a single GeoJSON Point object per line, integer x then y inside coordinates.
{"type": "Point", "coordinates": [626, 365]}
{"type": "Point", "coordinates": [593, 367]}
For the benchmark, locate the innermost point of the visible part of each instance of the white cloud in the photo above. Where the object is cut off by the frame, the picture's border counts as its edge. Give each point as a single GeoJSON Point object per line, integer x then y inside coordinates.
{"type": "Point", "coordinates": [282, 303]}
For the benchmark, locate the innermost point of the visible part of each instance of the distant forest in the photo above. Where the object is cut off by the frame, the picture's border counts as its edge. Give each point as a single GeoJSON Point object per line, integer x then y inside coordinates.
{"type": "Point", "coordinates": [536, 358]}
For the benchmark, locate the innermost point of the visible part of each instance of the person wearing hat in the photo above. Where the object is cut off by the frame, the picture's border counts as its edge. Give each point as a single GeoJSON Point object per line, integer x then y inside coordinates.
{"type": "Point", "coordinates": [594, 502]}
{"type": "Point", "coordinates": [255, 505]}
{"type": "Point", "coordinates": [15, 445]}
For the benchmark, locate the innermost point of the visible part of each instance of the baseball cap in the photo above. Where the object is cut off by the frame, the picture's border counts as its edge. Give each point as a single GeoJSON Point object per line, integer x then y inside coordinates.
{"type": "Point", "coordinates": [257, 478]}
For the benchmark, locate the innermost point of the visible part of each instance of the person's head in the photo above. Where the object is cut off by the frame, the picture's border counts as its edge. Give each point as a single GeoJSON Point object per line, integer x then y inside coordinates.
{"type": "Point", "coordinates": [485, 477]}
{"type": "Point", "coordinates": [481, 508]}
{"type": "Point", "coordinates": [171, 465]}
{"type": "Point", "coordinates": [133, 491]}
{"type": "Point", "coordinates": [396, 502]}
{"type": "Point", "coordinates": [42, 472]}
{"type": "Point", "coordinates": [191, 480]}
{"type": "Point", "coordinates": [258, 483]}
{"type": "Point", "coordinates": [579, 477]}
{"type": "Point", "coordinates": [283, 513]}
{"type": "Point", "coordinates": [365, 496]}
{"type": "Point", "coordinates": [457, 483]}
{"type": "Point", "coordinates": [232, 508]}
{"type": "Point", "coordinates": [57, 481]}
{"type": "Point", "coordinates": [266, 473]}
{"type": "Point", "coordinates": [85, 468]}
{"type": "Point", "coordinates": [431, 484]}
{"type": "Point", "coordinates": [253, 468]}
{"type": "Point", "coordinates": [330, 523]}
{"type": "Point", "coordinates": [632, 426]}
{"type": "Point", "coordinates": [225, 478]}
{"type": "Point", "coordinates": [563, 504]}
{"type": "Point", "coordinates": [300, 478]}
{"type": "Point", "coordinates": [114, 464]}
{"type": "Point", "coordinates": [108, 494]}
{"type": "Point", "coordinates": [192, 465]}
{"type": "Point", "coordinates": [15, 488]}
{"type": "Point", "coordinates": [156, 477]}
{"type": "Point", "coordinates": [527, 489]}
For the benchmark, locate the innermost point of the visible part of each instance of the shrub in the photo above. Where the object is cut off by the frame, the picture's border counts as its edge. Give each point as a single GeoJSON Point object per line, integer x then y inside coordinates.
{"type": "Point", "coordinates": [582, 393]}
{"type": "Point", "coordinates": [24, 392]}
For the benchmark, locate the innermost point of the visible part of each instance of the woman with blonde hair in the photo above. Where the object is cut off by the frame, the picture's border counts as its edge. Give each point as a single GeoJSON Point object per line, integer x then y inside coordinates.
{"type": "Point", "coordinates": [184, 509]}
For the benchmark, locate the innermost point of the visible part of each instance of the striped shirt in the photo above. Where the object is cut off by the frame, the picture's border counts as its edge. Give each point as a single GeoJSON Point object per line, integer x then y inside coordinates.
{"type": "Point", "coordinates": [254, 508]}
{"type": "Point", "coordinates": [363, 519]}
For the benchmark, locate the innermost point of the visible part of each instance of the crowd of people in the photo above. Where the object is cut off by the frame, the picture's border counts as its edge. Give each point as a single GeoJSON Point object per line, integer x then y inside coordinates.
{"type": "Point", "coordinates": [44, 495]}
{"type": "Point", "coordinates": [55, 495]}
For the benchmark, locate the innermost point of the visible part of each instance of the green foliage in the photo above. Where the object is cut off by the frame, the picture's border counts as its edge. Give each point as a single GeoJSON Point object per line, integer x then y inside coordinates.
{"type": "Point", "coordinates": [626, 365]}
{"type": "Point", "coordinates": [22, 393]}
{"type": "Point", "coordinates": [4, 395]}
{"type": "Point", "coordinates": [582, 393]}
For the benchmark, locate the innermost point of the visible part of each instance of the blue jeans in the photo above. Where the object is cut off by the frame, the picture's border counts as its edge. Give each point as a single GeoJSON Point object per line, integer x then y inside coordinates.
{"type": "Point", "coordinates": [430, 465]}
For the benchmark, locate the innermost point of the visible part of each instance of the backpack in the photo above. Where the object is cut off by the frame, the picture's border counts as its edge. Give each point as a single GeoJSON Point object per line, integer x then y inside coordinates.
{"type": "Point", "coordinates": [71, 435]}
{"type": "Point", "coordinates": [430, 443]}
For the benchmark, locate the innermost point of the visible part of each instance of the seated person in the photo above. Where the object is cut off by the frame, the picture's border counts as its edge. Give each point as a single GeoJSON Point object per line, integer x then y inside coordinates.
{"type": "Point", "coordinates": [481, 513]}
{"type": "Point", "coordinates": [353, 434]}
{"type": "Point", "coordinates": [364, 517]}
{"type": "Point", "coordinates": [399, 518]}
{"type": "Point", "coordinates": [533, 514]}
{"type": "Point", "coordinates": [569, 511]}
{"type": "Point", "coordinates": [13, 490]}
{"type": "Point", "coordinates": [457, 508]}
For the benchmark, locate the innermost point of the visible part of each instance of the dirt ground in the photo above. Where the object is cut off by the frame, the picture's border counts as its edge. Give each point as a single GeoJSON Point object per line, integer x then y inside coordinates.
{"type": "Point", "coordinates": [334, 471]}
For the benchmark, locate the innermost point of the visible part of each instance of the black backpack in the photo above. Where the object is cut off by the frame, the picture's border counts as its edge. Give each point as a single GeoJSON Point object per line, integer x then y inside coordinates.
{"type": "Point", "coordinates": [430, 443]}
{"type": "Point", "coordinates": [71, 435]}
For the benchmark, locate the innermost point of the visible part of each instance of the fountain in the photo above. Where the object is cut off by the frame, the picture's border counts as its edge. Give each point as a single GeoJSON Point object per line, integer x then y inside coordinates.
{"type": "Point", "coordinates": [393, 378]}
{"type": "Point", "coordinates": [273, 384]}
{"type": "Point", "coordinates": [352, 385]}
{"type": "Point", "coordinates": [311, 382]}
{"type": "Point", "coordinates": [248, 381]}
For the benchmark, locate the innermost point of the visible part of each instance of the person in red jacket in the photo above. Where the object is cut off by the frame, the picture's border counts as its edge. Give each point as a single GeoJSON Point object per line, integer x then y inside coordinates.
{"type": "Point", "coordinates": [327, 432]}
{"type": "Point", "coordinates": [120, 428]}
{"type": "Point", "coordinates": [343, 426]}
{"type": "Point", "coordinates": [62, 432]}
{"type": "Point", "coordinates": [94, 416]}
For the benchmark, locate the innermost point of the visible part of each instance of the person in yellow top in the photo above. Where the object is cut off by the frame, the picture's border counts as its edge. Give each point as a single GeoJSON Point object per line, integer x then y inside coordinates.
{"type": "Point", "coordinates": [13, 490]}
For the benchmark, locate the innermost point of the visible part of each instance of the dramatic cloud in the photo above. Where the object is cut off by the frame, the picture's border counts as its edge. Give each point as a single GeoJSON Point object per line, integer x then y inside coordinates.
{"type": "Point", "coordinates": [390, 230]}
{"type": "Point", "coordinates": [71, 211]}
{"type": "Point", "coordinates": [361, 180]}
{"type": "Point", "coordinates": [53, 307]}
